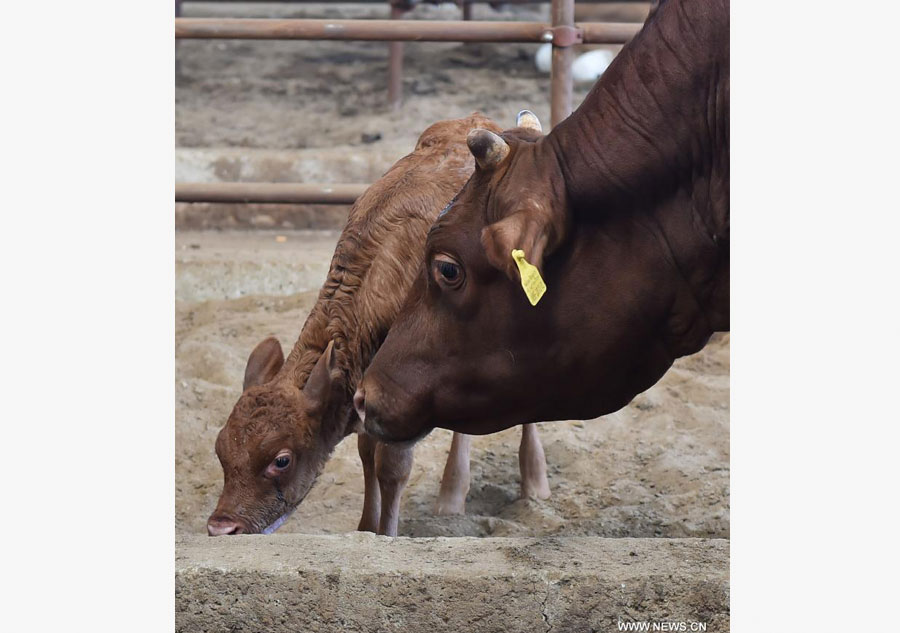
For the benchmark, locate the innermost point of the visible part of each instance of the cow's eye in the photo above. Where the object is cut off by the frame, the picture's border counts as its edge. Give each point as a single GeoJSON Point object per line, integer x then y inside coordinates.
{"type": "Point", "coordinates": [447, 271]}
{"type": "Point", "coordinates": [282, 461]}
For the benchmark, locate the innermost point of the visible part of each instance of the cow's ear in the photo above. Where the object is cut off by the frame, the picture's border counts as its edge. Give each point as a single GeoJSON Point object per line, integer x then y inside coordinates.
{"type": "Point", "coordinates": [322, 380]}
{"type": "Point", "coordinates": [264, 362]}
{"type": "Point", "coordinates": [535, 231]}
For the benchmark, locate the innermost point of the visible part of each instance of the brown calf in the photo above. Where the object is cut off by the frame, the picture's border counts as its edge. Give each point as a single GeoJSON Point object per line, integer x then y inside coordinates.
{"type": "Point", "coordinates": [294, 411]}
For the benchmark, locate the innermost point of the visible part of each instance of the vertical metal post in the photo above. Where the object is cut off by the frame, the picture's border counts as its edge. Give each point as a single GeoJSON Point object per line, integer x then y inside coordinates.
{"type": "Point", "coordinates": [177, 64]}
{"type": "Point", "coordinates": [562, 13]}
{"type": "Point", "coordinates": [466, 10]}
{"type": "Point", "coordinates": [395, 64]}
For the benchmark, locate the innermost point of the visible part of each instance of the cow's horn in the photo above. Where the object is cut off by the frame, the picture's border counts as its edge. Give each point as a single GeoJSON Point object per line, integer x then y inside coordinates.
{"type": "Point", "coordinates": [528, 120]}
{"type": "Point", "coordinates": [487, 148]}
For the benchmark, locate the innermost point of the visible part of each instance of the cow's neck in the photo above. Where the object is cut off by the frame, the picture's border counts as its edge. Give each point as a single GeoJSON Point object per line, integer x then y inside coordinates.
{"type": "Point", "coordinates": [658, 117]}
{"type": "Point", "coordinates": [651, 138]}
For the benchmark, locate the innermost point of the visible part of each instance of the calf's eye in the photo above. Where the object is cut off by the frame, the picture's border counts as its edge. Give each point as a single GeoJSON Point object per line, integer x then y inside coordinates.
{"type": "Point", "coordinates": [282, 461]}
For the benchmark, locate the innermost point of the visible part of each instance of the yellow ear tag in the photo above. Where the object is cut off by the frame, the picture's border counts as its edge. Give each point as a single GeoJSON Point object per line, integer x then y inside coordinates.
{"type": "Point", "coordinates": [532, 283]}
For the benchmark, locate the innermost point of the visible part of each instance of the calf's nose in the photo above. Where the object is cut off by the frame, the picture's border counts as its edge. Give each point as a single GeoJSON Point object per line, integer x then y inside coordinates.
{"type": "Point", "coordinates": [217, 526]}
{"type": "Point", "coordinates": [359, 403]}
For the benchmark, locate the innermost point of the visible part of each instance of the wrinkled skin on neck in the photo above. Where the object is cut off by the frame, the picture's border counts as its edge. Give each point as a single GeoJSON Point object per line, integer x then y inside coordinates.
{"type": "Point", "coordinates": [624, 210]}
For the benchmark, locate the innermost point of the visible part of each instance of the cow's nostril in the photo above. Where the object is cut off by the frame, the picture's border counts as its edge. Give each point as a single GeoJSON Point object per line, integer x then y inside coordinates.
{"type": "Point", "coordinates": [219, 527]}
{"type": "Point", "coordinates": [359, 403]}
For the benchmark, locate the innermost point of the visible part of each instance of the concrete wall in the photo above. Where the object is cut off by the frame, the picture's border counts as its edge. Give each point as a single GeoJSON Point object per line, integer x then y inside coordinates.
{"type": "Point", "coordinates": [361, 582]}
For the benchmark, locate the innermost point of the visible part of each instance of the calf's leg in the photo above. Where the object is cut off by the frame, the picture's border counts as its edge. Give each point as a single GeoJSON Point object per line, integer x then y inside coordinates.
{"type": "Point", "coordinates": [455, 481]}
{"type": "Point", "coordinates": [392, 467]}
{"type": "Point", "coordinates": [532, 464]}
{"type": "Point", "coordinates": [371, 513]}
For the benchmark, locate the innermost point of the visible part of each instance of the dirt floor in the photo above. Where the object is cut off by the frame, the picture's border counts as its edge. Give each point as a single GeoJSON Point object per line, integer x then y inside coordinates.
{"type": "Point", "coordinates": [659, 467]}
{"type": "Point", "coordinates": [267, 110]}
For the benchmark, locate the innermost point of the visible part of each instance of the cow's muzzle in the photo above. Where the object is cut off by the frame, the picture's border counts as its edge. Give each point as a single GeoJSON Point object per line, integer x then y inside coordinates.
{"type": "Point", "coordinates": [367, 415]}
{"type": "Point", "coordinates": [383, 422]}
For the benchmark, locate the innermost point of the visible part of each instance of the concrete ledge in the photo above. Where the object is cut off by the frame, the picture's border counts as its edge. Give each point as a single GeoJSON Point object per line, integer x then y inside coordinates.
{"type": "Point", "coordinates": [341, 163]}
{"type": "Point", "coordinates": [362, 582]}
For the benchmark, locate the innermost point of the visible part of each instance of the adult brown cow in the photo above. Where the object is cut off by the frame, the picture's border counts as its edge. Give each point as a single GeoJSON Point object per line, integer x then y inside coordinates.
{"type": "Point", "coordinates": [624, 209]}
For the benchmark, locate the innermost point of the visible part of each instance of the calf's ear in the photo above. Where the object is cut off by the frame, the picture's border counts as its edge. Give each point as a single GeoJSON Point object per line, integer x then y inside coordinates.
{"type": "Point", "coordinates": [535, 231]}
{"type": "Point", "coordinates": [528, 120]}
{"type": "Point", "coordinates": [264, 362]}
{"type": "Point", "coordinates": [322, 380]}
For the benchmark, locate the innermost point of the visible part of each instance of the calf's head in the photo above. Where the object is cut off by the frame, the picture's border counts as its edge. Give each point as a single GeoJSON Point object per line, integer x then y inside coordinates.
{"type": "Point", "coordinates": [272, 447]}
{"type": "Point", "coordinates": [467, 330]}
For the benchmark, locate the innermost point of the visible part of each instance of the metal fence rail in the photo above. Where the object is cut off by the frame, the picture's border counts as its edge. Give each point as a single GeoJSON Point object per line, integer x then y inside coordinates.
{"type": "Point", "coordinates": [397, 30]}
{"type": "Point", "coordinates": [404, 2]}
{"type": "Point", "coordinates": [294, 193]}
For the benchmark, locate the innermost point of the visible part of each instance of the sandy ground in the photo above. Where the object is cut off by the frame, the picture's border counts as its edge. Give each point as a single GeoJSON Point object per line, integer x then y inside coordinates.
{"type": "Point", "coordinates": [659, 467]}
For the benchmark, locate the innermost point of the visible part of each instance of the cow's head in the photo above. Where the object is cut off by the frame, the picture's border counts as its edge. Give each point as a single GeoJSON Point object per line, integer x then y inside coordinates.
{"type": "Point", "coordinates": [272, 448]}
{"type": "Point", "coordinates": [467, 329]}
{"type": "Point", "coordinates": [522, 211]}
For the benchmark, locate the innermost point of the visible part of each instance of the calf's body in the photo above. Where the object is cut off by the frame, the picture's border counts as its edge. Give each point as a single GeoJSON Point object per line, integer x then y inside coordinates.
{"type": "Point", "coordinates": [294, 411]}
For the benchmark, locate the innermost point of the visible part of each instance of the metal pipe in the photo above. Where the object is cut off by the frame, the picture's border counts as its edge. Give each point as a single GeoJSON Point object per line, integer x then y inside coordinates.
{"type": "Point", "coordinates": [395, 65]}
{"type": "Point", "coordinates": [423, 1]}
{"type": "Point", "coordinates": [562, 14]}
{"type": "Point", "coordinates": [390, 30]}
{"type": "Point", "coordinates": [608, 32]}
{"type": "Point", "coordinates": [177, 15]}
{"type": "Point", "coordinates": [268, 192]}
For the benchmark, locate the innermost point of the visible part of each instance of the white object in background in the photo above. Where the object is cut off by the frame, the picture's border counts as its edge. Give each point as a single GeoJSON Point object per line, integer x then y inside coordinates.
{"type": "Point", "coordinates": [586, 67]}
{"type": "Point", "coordinates": [590, 65]}
{"type": "Point", "coordinates": [543, 58]}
